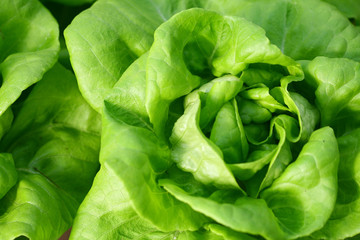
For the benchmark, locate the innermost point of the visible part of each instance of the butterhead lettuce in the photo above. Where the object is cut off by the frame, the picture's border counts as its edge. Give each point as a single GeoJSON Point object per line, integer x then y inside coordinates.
{"type": "Point", "coordinates": [180, 120]}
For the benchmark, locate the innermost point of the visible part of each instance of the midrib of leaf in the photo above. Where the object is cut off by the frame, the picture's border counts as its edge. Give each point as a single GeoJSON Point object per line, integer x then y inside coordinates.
{"type": "Point", "coordinates": [158, 11]}
{"type": "Point", "coordinates": [285, 24]}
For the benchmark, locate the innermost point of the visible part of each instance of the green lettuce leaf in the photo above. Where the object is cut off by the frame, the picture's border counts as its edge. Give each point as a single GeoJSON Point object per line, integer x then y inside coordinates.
{"type": "Point", "coordinates": [6, 121]}
{"type": "Point", "coordinates": [337, 84]}
{"type": "Point", "coordinates": [29, 47]}
{"type": "Point", "coordinates": [194, 153]}
{"type": "Point", "coordinates": [303, 197]}
{"type": "Point", "coordinates": [350, 8]}
{"type": "Point", "coordinates": [107, 213]}
{"type": "Point", "coordinates": [8, 173]}
{"type": "Point", "coordinates": [71, 2]}
{"type": "Point", "coordinates": [344, 220]}
{"type": "Point", "coordinates": [105, 39]}
{"type": "Point", "coordinates": [289, 24]}
{"type": "Point", "coordinates": [229, 135]}
{"type": "Point", "coordinates": [139, 157]}
{"type": "Point", "coordinates": [208, 131]}
{"type": "Point", "coordinates": [35, 208]}
{"type": "Point", "coordinates": [243, 214]}
{"type": "Point", "coordinates": [226, 55]}
{"type": "Point", "coordinates": [58, 137]}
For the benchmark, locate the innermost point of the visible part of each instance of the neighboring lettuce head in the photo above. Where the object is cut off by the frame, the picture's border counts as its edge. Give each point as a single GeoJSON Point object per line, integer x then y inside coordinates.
{"type": "Point", "coordinates": [29, 47]}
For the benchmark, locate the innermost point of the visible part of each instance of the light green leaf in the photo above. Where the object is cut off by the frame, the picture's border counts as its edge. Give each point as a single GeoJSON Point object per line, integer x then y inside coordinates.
{"type": "Point", "coordinates": [128, 94]}
{"type": "Point", "coordinates": [8, 173]}
{"type": "Point", "coordinates": [137, 157]}
{"type": "Point", "coordinates": [309, 115]}
{"type": "Point", "coordinates": [35, 208]}
{"type": "Point", "coordinates": [303, 197]}
{"type": "Point", "coordinates": [28, 47]}
{"type": "Point", "coordinates": [337, 83]}
{"type": "Point", "coordinates": [265, 74]}
{"type": "Point", "coordinates": [257, 159]}
{"type": "Point", "coordinates": [227, 233]}
{"type": "Point", "coordinates": [107, 213]}
{"type": "Point", "coordinates": [245, 214]}
{"type": "Point", "coordinates": [105, 39]}
{"type": "Point", "coordinates": [193, 152]}
{"type": "Point", "coordinates": [262, 97]}
{"type": "Point", "coordinates": [251, 112]}
{"type": "Point", "coordinates": [229, 135]}
{"type": "Point", "coordinates": [223, 89]}
{"type": "Point", "coordinates": [232, 44]}
{"type": "Point", "coordinates": [277, 158]}
{"type": "Point", "coordinates": [344, 221]}
{"type": "Point", "coordinates": [289, 24]}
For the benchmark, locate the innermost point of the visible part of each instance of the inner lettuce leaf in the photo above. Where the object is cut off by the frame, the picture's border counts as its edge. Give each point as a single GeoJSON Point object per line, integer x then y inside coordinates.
{"type": "Point", "coordinates": [29, 47]}
{"type": "Point", "coordinates": [233, 43]}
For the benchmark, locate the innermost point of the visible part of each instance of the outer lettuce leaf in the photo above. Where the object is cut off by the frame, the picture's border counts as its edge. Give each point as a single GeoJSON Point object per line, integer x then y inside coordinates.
{"type": "Point", "coordinates": [57, 133]}
{"type": "Point", "coordinates": [138, 158]}
{"type": "Point", "coordinates": [105, 39]}
{"type": "Point", "coordinates": [289, 24]}
{"type": "Point", "coordinates": [107, 213]}
{"type": "Point", "coordinates": [244, 214]}
{"type": "Point", "coordinates": [303, 197]}
{"type": "Point", "coordinates": [55, 144]}
{"type": "Point", "coordinates": [71, 2]}
{"type": "Point", "coordinates": [344, 221]}
{"type": "Point", "coordinates": [35, 208]}
{"type": "Point", "coordinates": [132, 86]}
{"type": "Point", "coordinates": [350, 8]}
{"type": "Point", "coordinates": [28, 47]}
{"type": "Point", "coordinates": [337, 84]}
{"type": "Point", "coordinates": [229, 50]}
{"type": "Point", "coordinates": [227, 233]}
{"type": "Point", "coordinates": [8, 173]}
{"type": "Point", "coordinates": [6, 121]}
